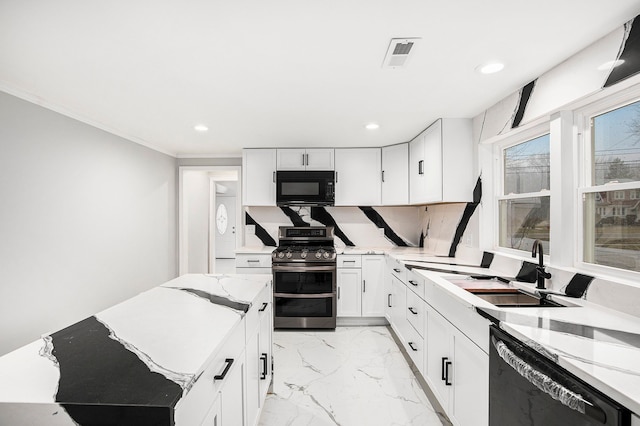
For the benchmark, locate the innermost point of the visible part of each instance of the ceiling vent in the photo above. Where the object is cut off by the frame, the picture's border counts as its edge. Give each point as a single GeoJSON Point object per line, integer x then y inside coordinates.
{"type": "Point", "coordinates": [399, 52]}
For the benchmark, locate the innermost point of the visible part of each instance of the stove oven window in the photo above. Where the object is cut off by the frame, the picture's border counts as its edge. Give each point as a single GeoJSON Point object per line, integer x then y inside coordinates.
{"type": "Point", "coordinates": [303, 282]}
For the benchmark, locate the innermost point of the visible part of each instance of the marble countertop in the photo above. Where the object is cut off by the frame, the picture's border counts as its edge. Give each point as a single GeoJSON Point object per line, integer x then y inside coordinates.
{"type": "Point", "coordinates": [599, 345]}
{"type": "Point", "coordinates": [255, 250]}
{"type": "Point", "coordinates": [144, 352]}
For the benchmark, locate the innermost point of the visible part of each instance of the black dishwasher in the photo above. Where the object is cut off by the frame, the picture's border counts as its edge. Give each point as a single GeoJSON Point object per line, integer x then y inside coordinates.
{"type": "Point", "coordinates": [525, 388]}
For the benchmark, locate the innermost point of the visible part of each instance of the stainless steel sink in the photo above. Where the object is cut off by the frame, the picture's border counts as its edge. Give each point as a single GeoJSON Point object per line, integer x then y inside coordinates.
{"type": "Point", "coordinates": [516, 300]}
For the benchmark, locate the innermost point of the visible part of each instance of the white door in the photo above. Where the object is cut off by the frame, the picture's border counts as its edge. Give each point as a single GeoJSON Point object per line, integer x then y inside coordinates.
{"type": "Point", "coordinates": [373, 290]}
{"type": "Point", "coordinates": [319, 159]}
{"type": "Point", "coordinates": [291, 159]}
{"type": "Point", "coordinates": [395, 174]}
{"type": "Point", "coordinates": [225, 226]}
{"type": "Point", "coordinates": [349, 292]}
{"type": "Point", "coordinates": [259, 177]}
{"type": "Point", "coordinates": [358, 176]}
{"type": "Point", "coordinates": [416, 170]}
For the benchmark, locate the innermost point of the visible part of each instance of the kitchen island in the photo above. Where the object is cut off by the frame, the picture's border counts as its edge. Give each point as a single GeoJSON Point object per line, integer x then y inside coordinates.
{"type": "Point", "coordinates": [162, 357]}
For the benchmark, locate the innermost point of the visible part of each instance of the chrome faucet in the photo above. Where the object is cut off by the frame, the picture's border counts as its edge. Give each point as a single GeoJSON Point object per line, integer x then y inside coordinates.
{"type": "Point", "coordinates": [540, 272]}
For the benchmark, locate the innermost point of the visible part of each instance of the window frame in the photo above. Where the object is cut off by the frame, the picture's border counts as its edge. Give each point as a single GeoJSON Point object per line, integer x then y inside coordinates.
{"type": "Point", "coordinates": [585, 185]}
{"type": "Point", "coordinates": [525, 135]}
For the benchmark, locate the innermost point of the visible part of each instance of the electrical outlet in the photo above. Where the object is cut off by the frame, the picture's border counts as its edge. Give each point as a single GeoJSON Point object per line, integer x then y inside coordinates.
{"type": "Point", "coordinates": [250, 230]}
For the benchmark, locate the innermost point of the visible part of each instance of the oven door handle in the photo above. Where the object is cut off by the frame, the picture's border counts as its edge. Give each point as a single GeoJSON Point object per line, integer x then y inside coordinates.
{"type": "Point", "coordinates": [303, 268]}
{"type": "Point", "coordinates": [304, 296]}
{"type": "Point", "coordinates": [548, 385]}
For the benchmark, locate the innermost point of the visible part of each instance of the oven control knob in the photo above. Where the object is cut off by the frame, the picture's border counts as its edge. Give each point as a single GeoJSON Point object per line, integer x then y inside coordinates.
{"type": "Point", "coordinates": [289, 254]}
{"type": "Point", "coordinates": [318, 255]}
{"type": "Point", "coordinates": [325, 254]}
{"type": "Point", "coordinates": [281, 255]}
{"type": "Point", "coordinates": [303, 255]}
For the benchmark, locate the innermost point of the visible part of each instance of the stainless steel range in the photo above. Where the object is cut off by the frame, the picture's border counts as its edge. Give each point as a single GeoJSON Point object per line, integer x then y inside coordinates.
{"type": "Point", "coordinates": [304, 278]}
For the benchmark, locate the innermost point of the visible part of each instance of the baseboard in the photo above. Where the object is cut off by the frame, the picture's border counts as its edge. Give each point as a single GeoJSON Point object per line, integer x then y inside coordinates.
{"type": "Point", "coordinates": [360, 321]}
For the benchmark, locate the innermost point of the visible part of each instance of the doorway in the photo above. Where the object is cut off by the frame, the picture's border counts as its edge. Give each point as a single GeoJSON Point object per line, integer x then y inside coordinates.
{"type": "Point", "coordinates": [209, 211]}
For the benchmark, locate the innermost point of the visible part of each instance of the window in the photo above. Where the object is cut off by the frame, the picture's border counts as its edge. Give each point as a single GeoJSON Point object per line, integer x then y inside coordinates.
{"type": "Point", "coordinates": [613, 239]}
{"type": "Point", "coordinates": [523, 208]}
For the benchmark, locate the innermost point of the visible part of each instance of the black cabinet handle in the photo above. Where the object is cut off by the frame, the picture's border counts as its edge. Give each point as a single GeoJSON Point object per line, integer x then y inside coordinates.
{"type": "Point", "coordinates": [264, 306]}
{"type": "Point", "coordinates": [389, 300]}
{"type": "Point", "coordinates": [396, 270]}
{"type": "Point", "coordinates": [364, 286]}
{"type": "Point", "coordinates": [229, 362]}
{"type": "Point", "coordinates": [411, 346]}
{"type": "Point", "coordinates": [338, 293]}
{"type": "Point", "coordinates": [412, 311]}
{"type": "Point", "coordinates": [446, 368]}
{"type": "Point", "coordinates": [274, 177]}
{"type": "Point", "coordinates": [383, 176]}
{"type": "Point", "coordinates": [421, 167]}
{"type": "Point", "coordinates": [264, 366]}
{"type": "Point", "coordinates": [444, 360]}
{"type": "Point", "coordinates": [413, 283]}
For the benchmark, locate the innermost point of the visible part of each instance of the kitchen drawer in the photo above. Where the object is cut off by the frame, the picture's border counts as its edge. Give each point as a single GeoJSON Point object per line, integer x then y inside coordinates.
{"type": "Point", "coordinates": [416, 283]}
{"type": "Point", "coordinates": [257, 309]}
{"type": "Point", "coordinates": [416, 309]}
{"type": "Point", "coordinates": [349, 261]}
{"type": "Point", "coordinates": [397, 269]}
{"type": "Point", "coordinates": [262, 260]}
{"type": "Point", "coordinates": [414, 345]}
{"type": "Point", "coordinates": [193, 407]}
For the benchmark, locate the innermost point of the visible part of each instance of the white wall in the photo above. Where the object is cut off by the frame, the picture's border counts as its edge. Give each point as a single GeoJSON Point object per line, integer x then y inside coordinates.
{"type": "Point", "coordinates": [87, 219]}
{"type": "Point", "coordinates": [196, 201]}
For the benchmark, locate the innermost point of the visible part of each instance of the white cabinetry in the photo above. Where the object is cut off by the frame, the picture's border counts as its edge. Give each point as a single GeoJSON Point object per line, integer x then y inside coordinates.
{"type": "Point", "coordinates": [358, 176]}
{"type": "Point", "coordinates": [305, 159]}
{"type": "Point", "coordinates": [259, 177]}
{"type": "Point", "coordinates": [258, 355]}
{"type": "Point", "coordinates": [232, 395]}
{"type": "Point", "coordinates": [214, 417]}
{"type": "Point", "coordinates": [395, 174]}
{"type": "Point", "coordinates": [635, 420]}
{"type": "Point", "coordinates": [441, 163]}
{"type": "Point", "coordinates": [253, 263]}
{"type": "Point", "coordinates": [457, 372]}
{"type": "Point", "coordinates": [360, 286]}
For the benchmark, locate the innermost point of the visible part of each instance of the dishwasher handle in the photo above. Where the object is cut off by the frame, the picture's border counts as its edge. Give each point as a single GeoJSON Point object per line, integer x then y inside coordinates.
{"type": "Point", "coordinates": [547, 385]}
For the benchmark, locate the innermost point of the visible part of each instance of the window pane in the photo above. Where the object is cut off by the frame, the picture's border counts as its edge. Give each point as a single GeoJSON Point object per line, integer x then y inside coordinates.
{"type": "Point", "coordinates": [612, 230]}
{"type": "Point", "coordinates": [526, 166]}
{"type": "Point", "coordinates": [524, 220]}
{"type": "Point", "coordinates": [616, 145]}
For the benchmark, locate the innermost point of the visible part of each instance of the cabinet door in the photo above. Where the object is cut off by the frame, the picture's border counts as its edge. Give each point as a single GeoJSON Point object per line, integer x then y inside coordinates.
{"type": "Point", "coordinates": [291, 159]}
{"type": "Point", "coordinates": [416, 170]}
{"type": "Point", "coordinates": [395, 174]}
{"type": "Point", "coordinates": [320, 159]}
{"type": "Point", "coordinates": [253, 366]}
{"type": "Point", "coordinates": [438, 356]}
{"type": "Point", "coordinates": [433, 162]}
{"type": "Point", "coordinates": [388, 295]}
{"type": "Point", "coordinates": [266, 353]}
{"type": "Point", "coordinates": [399, 306]}
{"type": "Point", "coordinates": [470, 399]}
{"type": "Point", "coordinates": [349, 292]}
{"type": "Point", "coordinates": [259, 177]}
{"type": "Point", "coordinates": [373, 294]}
{"type": "Point", "coordinates": [358, 172]}
{"type": "Point", "coordinates": [232, 394]}
{"type": "Point", "coordinates": [214, 415]}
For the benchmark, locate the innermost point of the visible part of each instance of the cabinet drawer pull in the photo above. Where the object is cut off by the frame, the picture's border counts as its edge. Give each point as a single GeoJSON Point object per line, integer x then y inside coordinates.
{"type": "Point", "coordinates": [383, 176]}
{"type": "Point", "coordinates": [411, 346]}
{"type": "Point", "coordinates": [397, 271]}
{"type": "Point", "coordinates": [412, 311]}
{"type": "Point", "coordinates": [263, 375]}
{"type": "Point", "coordinates": [364, 286]}
{"type": "Point", "coordinates": [229, 362]}
{"type": "Point", "coordinates": [338, 293]}
{"type": "Point", "coordinates": [444, 360]}
{"type": "Point", "coordinates": [253, 260]}
{"type": "Point", "coordinates": [274, 177]}
{"type": "Point", "coordinates": [421, 167]}
{"type": "Point", "coordinates": [389, 300]}
{"type": "Point", "coordinates": [348, 261]}
{"type": "Point", "coordinates": [264, 306]}
{"type": "Point", "coordinates": [446, 368]}
{"type": "Point", "coordinates": [413, 283]}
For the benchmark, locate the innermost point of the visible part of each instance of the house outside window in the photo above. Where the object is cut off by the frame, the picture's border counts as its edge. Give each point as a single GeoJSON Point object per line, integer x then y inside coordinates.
{"type": "Point", "coordinates": [611, 237]}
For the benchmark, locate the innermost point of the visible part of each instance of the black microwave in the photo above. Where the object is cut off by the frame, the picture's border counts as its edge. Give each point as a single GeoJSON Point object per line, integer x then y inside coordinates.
{"type": "Point", "coordinates": [315, 188]}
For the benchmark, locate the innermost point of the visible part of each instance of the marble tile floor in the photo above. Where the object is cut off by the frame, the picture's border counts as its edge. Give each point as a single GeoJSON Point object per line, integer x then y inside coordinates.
{"type": "Point", "coordinates": [352, 376]}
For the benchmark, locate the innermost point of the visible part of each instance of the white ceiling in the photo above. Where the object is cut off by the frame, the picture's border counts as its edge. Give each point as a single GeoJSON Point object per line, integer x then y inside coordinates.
{"type": "Point", "coordinates": [282, 72]}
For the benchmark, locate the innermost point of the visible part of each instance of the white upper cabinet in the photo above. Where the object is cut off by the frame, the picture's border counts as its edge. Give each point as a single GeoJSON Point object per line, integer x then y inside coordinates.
{"type": "Point", "coordinates": [441, 163]}
{"type": "Point", "coordinates": [358, 172]}
{"type": "Point", "coordinates": [259, 177]}
{"type": "Point", "coordinates": [305, 159]}
{"type": "Point", "coordinates": [395, 174]}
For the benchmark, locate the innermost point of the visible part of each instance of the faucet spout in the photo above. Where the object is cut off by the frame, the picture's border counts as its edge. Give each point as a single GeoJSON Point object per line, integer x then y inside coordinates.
{"type": "Point", "coordinates": [541, 274]}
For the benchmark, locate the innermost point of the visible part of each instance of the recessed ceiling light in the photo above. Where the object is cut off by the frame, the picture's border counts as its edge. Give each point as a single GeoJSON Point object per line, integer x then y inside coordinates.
{"type": "Point", "coordinates": [490, 68]}
{"type": "Point", "coordinates": [610, 65]}
{"type": "Point", "coordinates": [372, 126]}
{"type": "Point", "coordinates": [200, 128]}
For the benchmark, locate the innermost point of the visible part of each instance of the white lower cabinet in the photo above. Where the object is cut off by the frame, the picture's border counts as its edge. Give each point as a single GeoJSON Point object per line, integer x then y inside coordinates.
{"type": "Point", "coordinates": [232, 395]}
{"type": "Point", "coordinates": [214, 417]}
{"type": "Point", "coordinates": [457, 372]}
{"type": "Point", "coordinates": [361, 290]}
{"type": "Point", "coordinates": [257, 263]}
